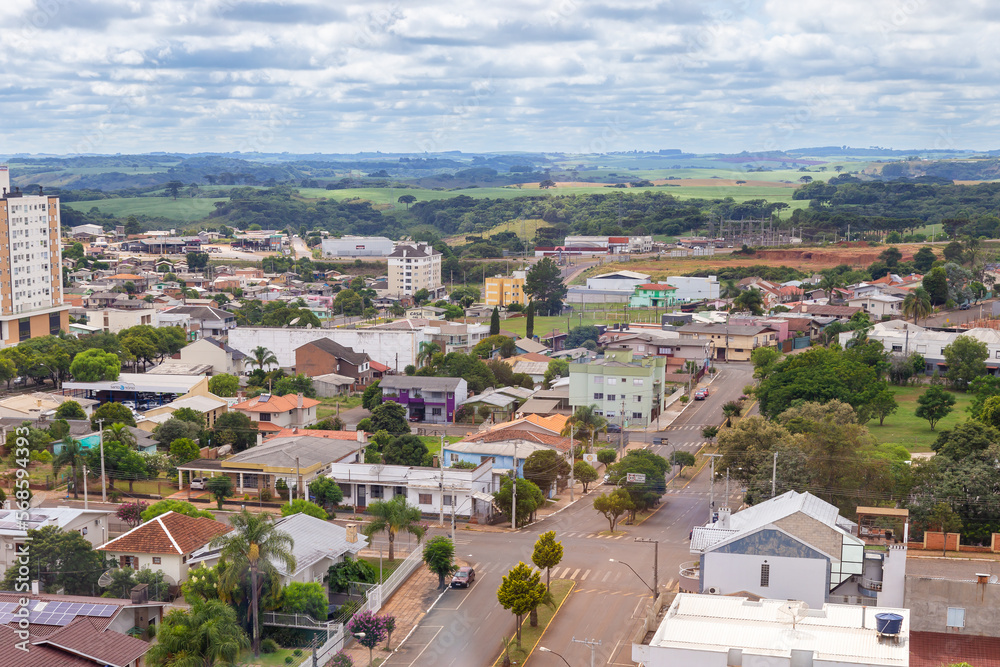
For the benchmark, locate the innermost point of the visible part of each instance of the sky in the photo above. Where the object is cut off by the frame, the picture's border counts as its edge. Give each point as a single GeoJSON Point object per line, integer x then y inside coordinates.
{"type": "Point", "coordinates": [575, 76]}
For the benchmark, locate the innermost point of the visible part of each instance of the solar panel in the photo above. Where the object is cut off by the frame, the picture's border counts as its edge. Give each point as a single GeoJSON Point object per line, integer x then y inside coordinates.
{"type": "Point", "coordinates": [8, 606]}
{"type": "Point", "coordinates": [51, 618]}
{"type": "Point", "coordinates": [105, 610]}
{"type": "Point", "coordinates": [6, 617]}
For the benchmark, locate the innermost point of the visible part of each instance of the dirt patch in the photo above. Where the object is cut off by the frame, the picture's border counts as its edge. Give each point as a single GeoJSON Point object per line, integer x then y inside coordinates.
{"type": "Point", "coordinates": [722, 182]}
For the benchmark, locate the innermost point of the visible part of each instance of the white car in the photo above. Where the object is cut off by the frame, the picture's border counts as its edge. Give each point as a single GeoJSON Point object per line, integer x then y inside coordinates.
{"type": "Point", "coordinates": [198, 483]}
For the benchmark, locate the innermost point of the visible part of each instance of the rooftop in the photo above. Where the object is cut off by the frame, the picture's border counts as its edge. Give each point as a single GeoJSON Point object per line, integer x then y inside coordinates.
{"type": "Point", "coordinates": [273, 403]}
{"type": "Point", "coordinates": [425, 383]}
{"type": "Point", "coordinates": [337, 350]}
{"type": "Point", "coordinates": [161, 384]}
{"type": "Point", "coordinates": [169, 533]}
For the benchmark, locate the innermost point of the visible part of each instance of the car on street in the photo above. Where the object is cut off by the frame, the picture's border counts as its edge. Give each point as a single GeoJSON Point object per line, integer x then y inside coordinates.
{"type": "Point", "coordinates": [614, 428]}
{"type": "Point", "coordinates": [964, 306]}
{"type": "Point", "coordinates": [463, 578]}
{"type": "Point", "coordinates": [198, 483]}
{"type": "Point", "coordinates": [701, 394]}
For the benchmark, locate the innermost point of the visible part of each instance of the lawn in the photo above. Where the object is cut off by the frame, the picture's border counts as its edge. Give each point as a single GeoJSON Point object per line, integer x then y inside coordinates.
{"type": "Point", "coordinates": [276, 659]}
{"type": "Point", "coordinates": [530, 637]}
{"type": "Point", "coordinates": [388, 567]}
{"type": "Point", "coordinates": [329, 406]}
{"type": "Point", "coordinates": [182, 209]}
{"type": "Point", "coordinates": [905, 428]}
{"type": "Point", "coordinates": [433, 442]}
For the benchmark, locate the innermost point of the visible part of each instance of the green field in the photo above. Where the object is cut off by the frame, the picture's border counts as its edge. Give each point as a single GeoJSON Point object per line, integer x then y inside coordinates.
{"type": "Point", "coordinates": [904, 428]}
{"type": "Point", "coordinates": [182, 209]}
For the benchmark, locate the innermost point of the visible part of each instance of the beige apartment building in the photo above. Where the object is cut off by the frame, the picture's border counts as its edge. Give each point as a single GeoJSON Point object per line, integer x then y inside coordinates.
{"type": "Point", "coordinates": [505, 290]}
{"type": "Point", "coordinates": [730, 342]}
{"type": "Point", "coordinates": [31, 298]}
{"type": "Point", "coordinates": [413, 267]}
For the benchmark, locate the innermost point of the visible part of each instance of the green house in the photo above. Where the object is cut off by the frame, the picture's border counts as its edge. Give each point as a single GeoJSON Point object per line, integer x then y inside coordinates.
{"type": "Point", "coordinates": [653, 295]}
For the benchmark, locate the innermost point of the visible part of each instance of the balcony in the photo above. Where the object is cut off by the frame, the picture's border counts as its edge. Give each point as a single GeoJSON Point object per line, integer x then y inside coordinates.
{"type": "Point", "coordinates": [690, 577]}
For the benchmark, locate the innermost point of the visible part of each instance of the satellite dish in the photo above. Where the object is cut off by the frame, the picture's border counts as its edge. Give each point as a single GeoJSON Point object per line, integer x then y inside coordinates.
{"type": "Point", "coordinates": [294, 322]}
{"type": "Point", "coordinates": [309, 326]}
{"type": "Point", "coordinates": [225, 449]}
{"type": "Point", "coordinates": [105, 580]}
{"type": "Point", "coordinates": [794, 610]}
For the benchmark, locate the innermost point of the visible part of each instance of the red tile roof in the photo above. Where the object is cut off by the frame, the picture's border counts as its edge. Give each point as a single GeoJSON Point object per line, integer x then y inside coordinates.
{"type": "Point", "coordinates": [315, 433]}
{"type": "Point", "coordinates": [656, 286]}
{"type": "Point", "coordinates": [169, 533]}
{"type": "Point", "coordinates": [275, 403]}
{"type": "Point", "coordinates": [37, 656]}
{"type": "Point", "coordinates": [518, 434]}
{"type": "Point", "coordinates": [933, 649]}
{"type": "Point", "coordinates": [376, 366]}
{"type": "Point", "coordinates": [82, 638]}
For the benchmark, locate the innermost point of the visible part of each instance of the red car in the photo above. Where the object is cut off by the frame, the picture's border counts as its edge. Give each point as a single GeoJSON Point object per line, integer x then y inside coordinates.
{"type": "Point", "coordinates": [701, 394]}
{"type": "Point", "coordinates": [463, 578]}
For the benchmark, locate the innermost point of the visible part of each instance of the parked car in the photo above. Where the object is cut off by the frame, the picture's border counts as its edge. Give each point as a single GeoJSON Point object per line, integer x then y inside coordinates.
{"type": "Point", "coordinates": [198, 483]}
{"type": "Point", "coordinates": [614, 428]}
{"type": "Point", "coordinates": [964, 306]}
{"type": "Point", "coordinates": [701, 394]}
{"type": "Point", "coordinates": [463, 578]}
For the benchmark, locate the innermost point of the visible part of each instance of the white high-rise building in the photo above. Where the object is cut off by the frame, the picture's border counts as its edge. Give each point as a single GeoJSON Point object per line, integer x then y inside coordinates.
{"type": "Point", "coordinates": [413, 267]}
{"type": "Point", "coordinates": [31, 295]}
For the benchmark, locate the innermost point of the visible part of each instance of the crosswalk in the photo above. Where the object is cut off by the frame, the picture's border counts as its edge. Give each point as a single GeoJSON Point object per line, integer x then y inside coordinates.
{"type": "Point", "coordinates": [575, 573]}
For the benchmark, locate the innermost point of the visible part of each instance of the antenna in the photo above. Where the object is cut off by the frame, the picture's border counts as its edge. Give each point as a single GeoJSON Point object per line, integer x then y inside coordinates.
{"type": "Point", "coordinates": [294, 322]}
{"type": "Point", "coordinates": [794, 610]}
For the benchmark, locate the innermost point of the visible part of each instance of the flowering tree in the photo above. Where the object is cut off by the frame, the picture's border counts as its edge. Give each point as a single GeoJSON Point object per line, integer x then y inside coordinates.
{"type": "Point", "coordinates": [372, 628]}
{"type": "Point", "coordinates": [131, 513]}
{"type": "Point", "coordinates": [389, 622]}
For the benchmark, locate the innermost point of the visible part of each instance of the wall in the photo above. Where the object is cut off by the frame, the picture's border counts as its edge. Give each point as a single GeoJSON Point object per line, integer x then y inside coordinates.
{"type": "Point", "coordinates": [928, 600]}
{"type": "Point", "coordinates": [202, 352]}
{"type": "Point", "coordinates": [386, 346]}
{"type": "Point", "coordinates": [792, 578]}
{"type": "Point", "coordinates": [694, 289]}
{"type": "Point", "coordinates": [170, 565]}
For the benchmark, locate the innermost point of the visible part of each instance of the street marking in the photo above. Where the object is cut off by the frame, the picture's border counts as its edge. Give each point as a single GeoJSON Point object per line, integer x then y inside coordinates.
{"type": "Point", "coordinates": [427, 645]}
{"type": "Point", "coordinates": [606, 575]}
{"type": "Point", "coordinates": [584, 577]}
{"type": "Point", "coordinates": [575, 573]}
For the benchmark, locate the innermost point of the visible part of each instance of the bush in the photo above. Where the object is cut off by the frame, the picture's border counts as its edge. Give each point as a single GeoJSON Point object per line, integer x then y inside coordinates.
{"type": "Point", "coordinates": [341, 660]}
{"type": "Point", "coordinates": [297, 652]}
{"type": "Point", "coordinates": [268, 646]}
{"type": "Point", "coordinates": [289, 659]}
{"type": "Point", "coordinates": [684, 399]}
{"type": "Point", "coordinates": [265, 496]}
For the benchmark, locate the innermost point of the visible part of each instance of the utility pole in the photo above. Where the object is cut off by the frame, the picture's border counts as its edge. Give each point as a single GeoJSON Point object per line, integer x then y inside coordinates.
{"type": "Point", "coordinates": [104, 481]}
{"type": "Point", "coordinates": [656, 564]}
{"type": "Point", "coordinates": [441, 466]}
{"type": "Point", "coordinates": [727, 488]}
{"type": "Point", "coordinates": [86, 505]}
{"type": "Point", "coordinates": [572, 462]}
{"type": "Point", "coordinates": [513, 493]}
{"type": "Point", "coordinates": [621, 436]}
{"type": "Point", "coordinates": [774, 474]}
{"type": "Point", "coordinates": [711, 494]}
{"type": "Point", "coordinates": [592, 643]}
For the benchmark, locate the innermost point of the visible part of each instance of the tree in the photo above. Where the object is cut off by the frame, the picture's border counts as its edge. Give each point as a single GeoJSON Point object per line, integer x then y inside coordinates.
{"type": "Point", "coordinates": [495, 322]}
{"type": "Point", "coordinates": [120, 462]}
{"type": "Point", "coordinates": [709, 432]}
{"type": "Point", "coordinates": [326, 491]}
{"type": "Point", "coordinates": [72, 455]}
{"type": "Point", "coordinates": [439, 554]}
{"type": "Point", "coordinates": [883, 405]}
{"type": "Point", "coordinates": [890, 257]}
{"type": "Point", "coordinates": [578, 336]}
{"type": "Point", "coordinates": [406, 450]}
{"type": "Point", "coordinates": [426, 352]}
{"type": "Point", "coordinates": [393, 517]}
{"type": "Point", "coordinates": [749, 300]}
{"type": "Point", "coordinates": [236, 429]}
{"type": "Point", "coordinates": [221, 487]}
{"type": "Point", "coordinates": [613, 505]}
{"type": "Point", "coordinates": [368, 629]}
{"type": "Point", "coordinates": [544, 467]}
{"type": "Point", "coordinates": [302, 598]}
{"type": "Point", "coordinates": [585, 474]}
{"type": "Point", "coordinates": [764, 359]}
{"type": "Point", "coordinates": [183, 450]}
{"type": "Point", "coordinates": [196, 260]}
{"type": "Point", "coordinates": [521, 590]}
{"type": "Point", "coordinates": [224, 385]}
{"type": "Point", "coordinates": [607, 456]}
{"type": "Point", "coordinates": [970, 438]}
{"type": "Point", "coordinates": [557, 368]}
{"type": "Point", "coordinates": [407, 199]}
{"type": "Point", "coordinates": [112, 413]}
{"type": "Point", "coordinates": [682, 459]}
{"type": "Point", "coordinates": [261, 357]}
{"type": "Point", "coordinates": [132, 226]}
{"type": "Point", "coordinates": [295, 384]}
{"type": "Point", "coordinates": [62, 561]}
{"type": "Point", "coordinates": [253, 548]}
{"type": "Point", "coordinates": [547, 554]}
{"type": "Point", "coordinates": [372, 396]}
{"type": "Point", "coordinates": [176, 429]}
{"type": "Point", "coordinates": [946, 520]}
{"type": "Point", "coordinates": [934, 404]}
{"type": "Point", "coordinates": [966, 360]}
{"type": "Point", "coordinates": [924, 259]}
{"type": "Point", "coordinates": [175, 506]}
{"type": "Point", "coordinates": [646, 494]}
{"type": "Point", "coordinates": [544, 284]}
{"type": "Point", "coordinates": [70, 410]}
{"type": "Point", "coordinates": [390, 416]}
{"type": "Point", "coordinates": [917, 304]}
{"type": "Point", "coordinates": [95, 366]}
{"type": "Point", "coordinates": [173, 187]}
{"type": "Point", "coordinates": [935, 282]}
{"type": "Point", "coordinates": [300, 506]}
{"type": "Point", "coordinates": [131, 513]}
{"type": "Point", "coordinates": [529, 499]}
{"type": "Point", "coordinates": [730, 410]}
{"type": "Point", "coordinates": [529, 324]}
{"type": "Point", "coordinates": [207, 634]}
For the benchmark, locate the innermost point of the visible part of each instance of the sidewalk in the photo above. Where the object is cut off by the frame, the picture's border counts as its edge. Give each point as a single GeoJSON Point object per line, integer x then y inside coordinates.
{"type": "Point", "coordinates": [408, 604]}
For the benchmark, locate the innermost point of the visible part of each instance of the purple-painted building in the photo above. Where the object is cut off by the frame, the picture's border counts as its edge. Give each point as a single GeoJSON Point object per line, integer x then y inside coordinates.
{"type": "Point", "coordinates": [426, 399]}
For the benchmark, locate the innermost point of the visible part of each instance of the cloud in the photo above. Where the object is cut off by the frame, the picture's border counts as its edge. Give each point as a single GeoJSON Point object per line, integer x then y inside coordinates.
{"type": "Point", "coordinates": [560, 75]}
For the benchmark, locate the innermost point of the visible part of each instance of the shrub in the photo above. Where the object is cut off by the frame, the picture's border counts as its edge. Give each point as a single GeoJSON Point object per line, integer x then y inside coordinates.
{"type": "Point", "coordinates": [265, 495]}
{"type": "Point", "coordinates": [341, 660]}
{"type": "Point", "coordinates": [289, 659]}
{"type": "Point", "coordinates": [268, 646]}
{"type": "Point", "coordinates": [297, 652]}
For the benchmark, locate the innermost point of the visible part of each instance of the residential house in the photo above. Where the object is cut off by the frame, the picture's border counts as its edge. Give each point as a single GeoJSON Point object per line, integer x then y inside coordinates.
{"type": "Point", "coordinates": [531, 364]}
{"type": "Point", "coordinates": [901, 337]}
{"type": "Point", "coordinates": [502, 403]}
{"type": "Point", "coordinates": [91, 524]}
{"type": "Point", "coordinates": [693, 288]}
{"type": "Point", "coordinates": [164, 544]}
{"type": "Point", "coordinates": [825, 310]}
{"type": "Point", "coordinates": [502, 447]}
{"type": "Point", "coordinates": [426, 313]}
{"type": "Point", "coordinates": [272, 412]}
{"type": "Point", "coordinates": [624, 389]}
{"type": "Point", "coordinates": [551, 425]}
{"type": "Point", "coordinates": [462, 492]}
{"type": "Point", "coordinates": [457, 336]}
{"type": "Point", "coordinates": [653, 295]}
{"type": "Point", "coordinates": [546, 403]}
{"type": "Point", "coordinates": [296, 458]}
{"type": "Point", "coordinates": [530, 346]}
{"type": "Point", "coordinates": [114, 320]}
{"type": "Point", "coordinates": [426, 399]}
{"type": "Point", "coordinates": [731, 342]}
{"type": "Point", "coordinates": [317, 546]}
{"type": "Point", "coordinates": [324, 355]}
{"type": "Point", "coordinates": [205, 320]}
{"type": "Point", "coordinates": [221, 357]}
{"type": "Point", "coordinates": [668, 344]}
{"type": "Point", "coordinates": [210, 406]}
{"type": "Point", "coordinates": [37, 405]}
{"type": "Point", "coordinates": [879, 306]}
{"type": "Point", "coordinates": [505, 290]}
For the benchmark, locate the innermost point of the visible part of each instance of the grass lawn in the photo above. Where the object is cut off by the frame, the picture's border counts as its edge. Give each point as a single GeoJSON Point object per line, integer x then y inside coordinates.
{"type": "Point", "coordinates": [433, 442]}
{"type": "Point", "coordinates": [276, 659]}
{"type": "Point", "coordinates": [328, 406]}
{"type": "Point", "coordinates": [530, 637]}
{"type": "Point", "coordinates": [906, 429]}
{"type": "Point", "coordinates": [388, 567]}
{"type": "Point", "coordinates": [182, 209]}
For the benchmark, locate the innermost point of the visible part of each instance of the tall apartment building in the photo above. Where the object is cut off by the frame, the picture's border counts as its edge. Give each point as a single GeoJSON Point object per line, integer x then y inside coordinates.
{"type": "Point", "coordinates": [413, 267]}
{"type": "Point", "coordinates": [505, 290]}
{"type": "Point", "coordinates": [31, 297]}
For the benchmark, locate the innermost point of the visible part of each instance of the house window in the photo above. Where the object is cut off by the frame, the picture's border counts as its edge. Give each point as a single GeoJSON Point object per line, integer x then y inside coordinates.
{"type": "Point", "coordinates": [612, 380]}
{"type": "Point", "coordinates": [638, 398]}
{"type": "Point", "coordinates": [265, 416]}
{"type": "Point", "coordinates": [624, 380]}
{"type": "Point", "coordinates": [424, 498]}
{"type": "Point", "coordinates": [436, 411]}
{"type": "Point", "coordinates": [399, 491]}
{"type": "Point", "coordinates": [448, 500]}
{"type": "Point", "coordinates": [376, 491]}
{"type": "Point", "coordinates": [454, 458]}
{"type": "Point", "coordinates": [612, 397]}
{"type": "Point", "coordinates": [636, 415]}
{"type": "Point", "coordinates": [956, 617]}
{"type": "Point", "coordinates": [157, 560]}
{"type": "Point", "coordinates": [598, 379]}
{"type": "Point", "coordinates": [484, 459]}
{"type": "Point", "coordinates": [897, 348]}
{"type": "Point", "coordinates": [598, 396]}
{"type": "Point", "coordinates": [765, 575]}
{"type": "Point", "coordinates": [637, 382]}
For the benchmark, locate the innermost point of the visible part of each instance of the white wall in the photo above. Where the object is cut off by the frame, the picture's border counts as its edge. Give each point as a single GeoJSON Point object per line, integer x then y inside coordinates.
{"type": "Point", "coordinates": [382, 345]}
{"type": "Point", "coordinates": [621, 284]}
{"type": "Point", "coordinates": [690, 288]}
{"type": "Point", "coordinates": [790, 578]}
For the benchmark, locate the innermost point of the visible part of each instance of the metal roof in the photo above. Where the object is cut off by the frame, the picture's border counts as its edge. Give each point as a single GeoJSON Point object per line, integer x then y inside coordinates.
{"type": "Point", "coordinates": [173, 384]}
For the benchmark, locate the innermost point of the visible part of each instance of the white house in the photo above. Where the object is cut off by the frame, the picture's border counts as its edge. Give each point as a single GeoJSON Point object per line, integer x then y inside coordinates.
{"type": "Point", "coordinates": [621, 281]}
{"type": "Point", "coordinates": [220, 356]}
{"type": "Point", "coordinates": [879, 305]}
{"type": "Point", "coordinates": [693, 288]}
{"type": "Point", "coordinates": [91, 524]}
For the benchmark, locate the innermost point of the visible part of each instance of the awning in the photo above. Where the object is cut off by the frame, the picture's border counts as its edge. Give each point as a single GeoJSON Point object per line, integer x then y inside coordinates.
{"type": "Point", "coordinates": [484, 497]}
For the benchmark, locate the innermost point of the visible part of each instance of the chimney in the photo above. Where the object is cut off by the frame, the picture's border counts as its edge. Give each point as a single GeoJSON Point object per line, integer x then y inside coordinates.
{"type": "Point", "coordinates": [724, 513]}
{"type": "Point", "coordinates": [300, 405]}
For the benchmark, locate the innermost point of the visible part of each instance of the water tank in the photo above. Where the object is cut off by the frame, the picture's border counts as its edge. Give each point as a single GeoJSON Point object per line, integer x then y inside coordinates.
{"type": "Point", "coordinates": [888, 624]}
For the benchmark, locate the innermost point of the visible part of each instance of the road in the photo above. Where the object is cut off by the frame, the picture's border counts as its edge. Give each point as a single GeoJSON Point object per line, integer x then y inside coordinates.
{"type": "Point", "coordinates": [465, 627]}
{"type": "Point", "coordinates": [950, 318]}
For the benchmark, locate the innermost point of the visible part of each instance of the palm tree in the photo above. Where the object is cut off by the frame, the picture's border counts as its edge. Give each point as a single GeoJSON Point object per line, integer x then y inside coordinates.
{"type": "Point", "coordinates": [750, 300]}
{"type": "Point", "coordinates": [122, 434]}
{"type": "Point", "coordinates": [261, 356]}
{"type": "Point", "coordinates": [253, 548]}
{"type": "Point", "coordinates": [392, 517]}
{"type": "Point", "coordinates": [72, 456]}
{"type": "Point", "coordinates": [426, 353]}
{"type": "Point", "coordinates": [208, 634]}
{"type": "Point", "coordinates": [917, 304]}
{"type": "Point", "coordinates": [830, 283]}
{"type": "Point", "coordinates": [730, 290]}
{"type": "Point", "coordinates": [585, 422]}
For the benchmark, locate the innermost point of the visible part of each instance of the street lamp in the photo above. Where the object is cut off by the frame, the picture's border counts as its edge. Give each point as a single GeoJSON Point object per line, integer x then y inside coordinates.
{"type": "Point", "coordinates": [548, 650]}
{"type": "Point", "coordinates": [636, 574]}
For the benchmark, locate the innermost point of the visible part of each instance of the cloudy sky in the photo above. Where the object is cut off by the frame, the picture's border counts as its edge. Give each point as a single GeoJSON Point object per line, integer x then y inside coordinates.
{"type": "Point", "coordinates": [431, 75]}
